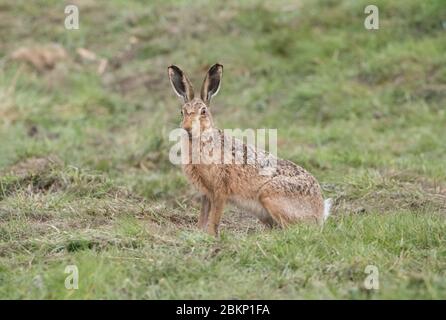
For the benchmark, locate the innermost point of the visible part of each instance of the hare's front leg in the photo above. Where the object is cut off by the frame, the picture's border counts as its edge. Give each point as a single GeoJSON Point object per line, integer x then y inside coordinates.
{"type": "Point", "coordinates": [217, 206]}
{"type": "Point", "coordinates": [204, 214]}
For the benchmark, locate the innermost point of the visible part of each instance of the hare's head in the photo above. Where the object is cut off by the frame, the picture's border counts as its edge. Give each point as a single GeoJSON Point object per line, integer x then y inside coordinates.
{"type": "Point", "coordinates": [195, 111]}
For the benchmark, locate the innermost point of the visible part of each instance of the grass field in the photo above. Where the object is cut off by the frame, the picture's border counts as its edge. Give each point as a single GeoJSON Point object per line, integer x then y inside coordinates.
{"type": "Point", "coordinates": [85, 178]}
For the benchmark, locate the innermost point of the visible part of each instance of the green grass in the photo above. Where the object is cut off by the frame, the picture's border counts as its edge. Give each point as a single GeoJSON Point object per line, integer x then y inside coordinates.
{"type": "Point", "coordinates": [85, 178]}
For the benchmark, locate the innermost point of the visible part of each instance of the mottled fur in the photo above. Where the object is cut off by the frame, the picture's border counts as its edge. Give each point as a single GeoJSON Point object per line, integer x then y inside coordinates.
{"type": "Point", "coordinates": [287, 195]}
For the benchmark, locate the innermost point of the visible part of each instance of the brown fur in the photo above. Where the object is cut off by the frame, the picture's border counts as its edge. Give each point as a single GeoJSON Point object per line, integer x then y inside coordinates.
{"type": "Point", "coordinates": [288, 195]}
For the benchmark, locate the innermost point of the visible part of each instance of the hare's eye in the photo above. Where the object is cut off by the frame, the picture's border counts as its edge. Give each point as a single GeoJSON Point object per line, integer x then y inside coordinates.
{"type": "Point", "coordinates": [181, 112]}
{"type": "Point", "coordinates": [203, 111]}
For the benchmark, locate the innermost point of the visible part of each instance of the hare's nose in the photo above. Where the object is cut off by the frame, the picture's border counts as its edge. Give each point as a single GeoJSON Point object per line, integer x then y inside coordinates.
{"type": "Point", "coordinates": [187, 126]}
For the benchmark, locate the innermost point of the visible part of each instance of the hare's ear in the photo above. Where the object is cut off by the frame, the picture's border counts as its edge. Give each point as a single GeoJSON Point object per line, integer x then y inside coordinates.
{"type": "Point", "coordinates": [212, 82]}
{"type": "Point", "coordinates": [180, 83]}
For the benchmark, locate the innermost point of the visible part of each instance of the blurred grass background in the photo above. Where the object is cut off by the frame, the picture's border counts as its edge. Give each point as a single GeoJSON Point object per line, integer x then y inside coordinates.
{"type": "Point", "coordinates": [84, 171]}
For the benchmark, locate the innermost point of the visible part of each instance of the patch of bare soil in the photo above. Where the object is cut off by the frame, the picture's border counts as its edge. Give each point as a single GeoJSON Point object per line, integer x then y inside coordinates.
{"type": "Point", "coordinates": [41, 58]}
{"type": "Point", "coordinates": [241, 222]}
{"type": "Point", "coordinates": [127, 84]}
{"type": "Point", "coordinates": [233, 219]}
{"type": "Point", "coordinates": [397, 191]}
{"type": "Point", "coordinates": [33, 166]}
{"type": "Point", "coordinates": [32, 174]}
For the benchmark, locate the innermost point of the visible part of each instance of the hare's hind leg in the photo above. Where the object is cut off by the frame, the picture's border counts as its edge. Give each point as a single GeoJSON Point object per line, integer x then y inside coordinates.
{"type": "Point", "coordinates": [287, 210]}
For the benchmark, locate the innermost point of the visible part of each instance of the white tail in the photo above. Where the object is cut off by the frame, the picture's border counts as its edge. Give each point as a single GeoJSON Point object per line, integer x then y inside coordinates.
{"type": "Point", "coordinates": [327, 207]}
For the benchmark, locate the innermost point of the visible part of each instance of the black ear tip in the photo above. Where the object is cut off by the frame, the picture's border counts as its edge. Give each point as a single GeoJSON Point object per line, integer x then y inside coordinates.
{"type": "Point", "coordinates": [174, 68]}
{"type": "Point", "coordinates": [216, 67]}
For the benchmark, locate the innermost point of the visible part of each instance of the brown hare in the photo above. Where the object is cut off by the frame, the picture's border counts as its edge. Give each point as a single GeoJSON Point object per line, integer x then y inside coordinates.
{"type": "Point", "coordinates": [288, 195]}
